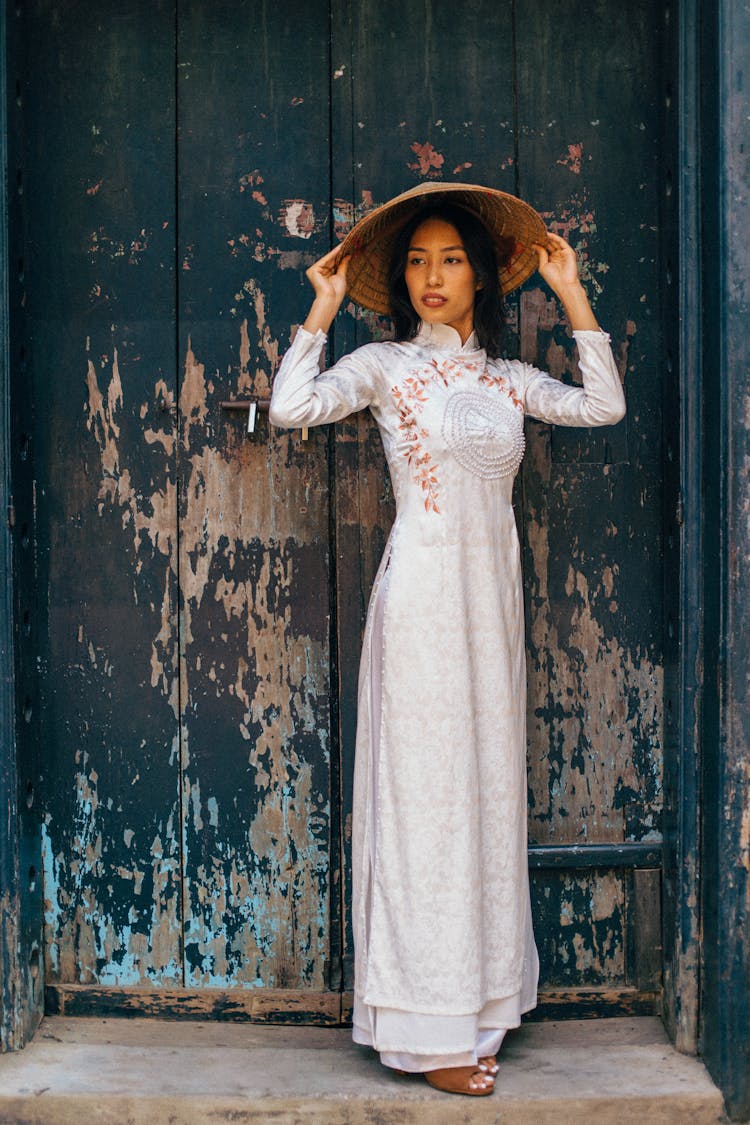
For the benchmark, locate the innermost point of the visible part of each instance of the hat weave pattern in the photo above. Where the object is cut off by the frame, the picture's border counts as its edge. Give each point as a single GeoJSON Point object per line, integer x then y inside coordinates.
{"type": "Point", "coordinates": [509, 221]}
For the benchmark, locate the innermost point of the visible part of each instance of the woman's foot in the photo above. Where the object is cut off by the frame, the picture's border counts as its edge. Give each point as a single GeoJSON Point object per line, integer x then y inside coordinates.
{"type": "Point", "coordinates": [469, 1080]}
{"type": "Point", "coordinates": [488, 1063]}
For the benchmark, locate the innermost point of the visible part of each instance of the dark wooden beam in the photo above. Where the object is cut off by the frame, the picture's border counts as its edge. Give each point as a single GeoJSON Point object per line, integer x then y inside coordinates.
{"type": "Point", "coordinates": [21, 957]}
{"type": "Point", "coordinates": [725, 214]}
{"type": "Point", "coordinates": [683, 509]}
{"type": "Point", "coordinates": [9, 875]}
{"type": "Point", "coordinates": [256, 1005]}
{"type": "Point", "coordinates": [570, 856]}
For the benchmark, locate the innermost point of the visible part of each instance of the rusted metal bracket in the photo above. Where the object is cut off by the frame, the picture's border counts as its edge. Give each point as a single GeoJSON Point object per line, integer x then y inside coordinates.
{"type": "Point", "coordinates": [253, 406]}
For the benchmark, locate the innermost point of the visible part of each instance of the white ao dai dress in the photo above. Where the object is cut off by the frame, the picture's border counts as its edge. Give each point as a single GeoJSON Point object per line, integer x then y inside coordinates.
{"type": "Point", "coordinates": [445, 958]}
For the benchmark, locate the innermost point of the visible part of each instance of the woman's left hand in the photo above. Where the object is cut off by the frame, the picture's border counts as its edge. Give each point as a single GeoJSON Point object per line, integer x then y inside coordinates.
{"type": "Point", "coordinates": [558, 265]}
{"type": "Point", "coordinates": [558, 262]}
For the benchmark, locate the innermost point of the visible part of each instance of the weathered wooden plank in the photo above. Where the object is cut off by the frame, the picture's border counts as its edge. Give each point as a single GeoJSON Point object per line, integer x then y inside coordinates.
{"type": "Point", "coordinates": [595, 685]}
{"type": "Point", "coordinates": [682, 358]}
{"type": "Point", "coordinates": [579, 926]}
{"type": "Point", "coordinates": [584, 1003]}
{"type": "Point", "coordinates": [568, 856]}
{"type": "Point", "coordinates": [255, 683]}
{"type": "Point", "coordinates": [100, 350]}
{"type": "Point", "coordinates": [254, 1005]}
{"type": "Point", "coordinates": [647, 929]}
{"type": "Point", "coordinates": [290, 1006]}
{"type": "Point", "coordinates": [724, 37]}
{"type": "Point", "coordinates": [21, 924]}
{"type": "Point", "coordinates": [592, 501]}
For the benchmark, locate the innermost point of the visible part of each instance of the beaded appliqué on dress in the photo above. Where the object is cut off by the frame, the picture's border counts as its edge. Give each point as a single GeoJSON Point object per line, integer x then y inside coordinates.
{"type": "Point", "coordinates": [485, 433]}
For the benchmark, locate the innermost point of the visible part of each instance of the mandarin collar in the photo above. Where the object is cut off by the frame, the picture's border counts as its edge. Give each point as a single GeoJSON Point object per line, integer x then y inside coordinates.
{"type": "Point", "coordinates": [445, 338]}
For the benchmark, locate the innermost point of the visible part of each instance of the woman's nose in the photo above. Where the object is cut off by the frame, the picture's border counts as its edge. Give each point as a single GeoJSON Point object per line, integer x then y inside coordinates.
{"type": "Point", "coordinates": [434, 276]}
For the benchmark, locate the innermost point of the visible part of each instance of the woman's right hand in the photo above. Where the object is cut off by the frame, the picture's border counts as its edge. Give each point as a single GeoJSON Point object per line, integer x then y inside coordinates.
{"type": "Point", "coordinates": [329, 284]}
{"type": "Point", "coordinates": [328, 281]}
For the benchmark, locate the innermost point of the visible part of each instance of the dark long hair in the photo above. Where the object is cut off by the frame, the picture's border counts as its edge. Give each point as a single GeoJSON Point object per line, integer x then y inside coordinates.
{"type": "Point", "coordinates": [489, 317]}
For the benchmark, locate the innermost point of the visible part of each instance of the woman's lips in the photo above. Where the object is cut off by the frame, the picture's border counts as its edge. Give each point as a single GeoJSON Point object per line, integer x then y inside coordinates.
{"type": "Point", "coordinates": [433, 300]}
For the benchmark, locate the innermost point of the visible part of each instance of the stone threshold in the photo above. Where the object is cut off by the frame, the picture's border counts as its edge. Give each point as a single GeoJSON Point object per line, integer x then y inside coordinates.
{"type": "Point", "coordinates": [84, 1071]}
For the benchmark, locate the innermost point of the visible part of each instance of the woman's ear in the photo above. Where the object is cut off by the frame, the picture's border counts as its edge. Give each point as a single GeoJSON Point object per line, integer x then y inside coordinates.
{"type": "Point", "coordinates": [479, 285]}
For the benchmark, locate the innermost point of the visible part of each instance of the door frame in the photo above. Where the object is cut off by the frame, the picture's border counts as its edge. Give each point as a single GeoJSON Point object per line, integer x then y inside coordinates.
{"type": "Point", "coordinates": [21, 906]}
{"type": "Point", "coordinates": [722, 159]}
{"type": "Point", "coordinates": [706, 271]}
{"type": "Point", "coordinates": [707, 705]}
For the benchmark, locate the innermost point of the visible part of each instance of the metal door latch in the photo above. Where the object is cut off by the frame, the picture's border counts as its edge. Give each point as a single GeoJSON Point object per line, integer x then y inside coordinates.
{"type": "Point", "coordinates": [253, 406]}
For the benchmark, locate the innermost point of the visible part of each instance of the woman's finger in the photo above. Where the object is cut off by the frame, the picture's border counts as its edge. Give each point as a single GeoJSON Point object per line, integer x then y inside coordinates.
{"type": "Point", "coordinates": [322, 268]}
{"type": "Point", "coordinates": [343, 265]}
{"type": "Point", "coordinates": [328, 257]}
{"type": "Point", "coordinates": [558, 245]}
{"type": "Point", "coordinates": [327, 266]}
{"type": "Point", "coordinates": [542, 253]}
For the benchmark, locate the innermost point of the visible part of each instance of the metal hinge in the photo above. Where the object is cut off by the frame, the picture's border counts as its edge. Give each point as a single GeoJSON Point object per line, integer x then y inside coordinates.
{"type": "Point", "coordinates": [679, 513]}
{"type": "Point", "coordinates": [11, 513]}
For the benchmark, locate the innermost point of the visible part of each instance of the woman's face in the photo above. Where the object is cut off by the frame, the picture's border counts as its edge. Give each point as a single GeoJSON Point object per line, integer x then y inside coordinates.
{"type": "Point", "coordinates": [439, 277]}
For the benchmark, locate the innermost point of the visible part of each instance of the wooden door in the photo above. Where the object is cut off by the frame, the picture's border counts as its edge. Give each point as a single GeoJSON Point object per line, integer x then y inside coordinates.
{"type": "Point", "coordinates": [189, 833]}
{"type": "Point", "coordinates": [202, 591]}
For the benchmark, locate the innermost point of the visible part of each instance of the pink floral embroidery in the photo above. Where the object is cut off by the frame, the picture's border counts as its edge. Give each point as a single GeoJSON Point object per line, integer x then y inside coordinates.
{"type": "Point", "coordinates": [503, 384]}
{"type": "Point", "coordinates": [425, 470]}
{"type": "Point", "coordinates": [410, 398]}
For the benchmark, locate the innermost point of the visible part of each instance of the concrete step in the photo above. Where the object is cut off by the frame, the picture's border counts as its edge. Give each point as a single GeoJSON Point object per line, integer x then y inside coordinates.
{"type": "Point", "coordinates": [162, 1072]}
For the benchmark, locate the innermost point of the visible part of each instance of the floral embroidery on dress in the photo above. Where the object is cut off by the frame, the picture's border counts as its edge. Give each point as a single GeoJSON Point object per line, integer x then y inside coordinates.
{"type": "Point", "coordinates": [425, 470]}
{"type": "Point", "coordinates": [495, 379]}
{"type": "Point", "coordinates": [410, 398]}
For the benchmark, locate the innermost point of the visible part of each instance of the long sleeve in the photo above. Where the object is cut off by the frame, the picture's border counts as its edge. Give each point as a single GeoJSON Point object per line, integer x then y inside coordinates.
{"type": "Point", "coordinates": [599, 402]}
{"type": "Point", "coordinates": [302, 396]}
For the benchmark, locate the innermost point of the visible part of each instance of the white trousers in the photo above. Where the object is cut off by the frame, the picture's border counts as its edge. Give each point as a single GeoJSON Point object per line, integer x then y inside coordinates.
{"type": "Point", "coordinates": [488, 1043]}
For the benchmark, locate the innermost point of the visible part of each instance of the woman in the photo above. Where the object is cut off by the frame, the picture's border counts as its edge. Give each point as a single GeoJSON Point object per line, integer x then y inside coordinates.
{"type": "Point", "coordinates": [445, 959]}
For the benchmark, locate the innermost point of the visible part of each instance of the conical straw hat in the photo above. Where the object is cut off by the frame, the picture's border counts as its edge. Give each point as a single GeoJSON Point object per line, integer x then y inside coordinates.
{"type": "Point", "coordinates": [508, 220]}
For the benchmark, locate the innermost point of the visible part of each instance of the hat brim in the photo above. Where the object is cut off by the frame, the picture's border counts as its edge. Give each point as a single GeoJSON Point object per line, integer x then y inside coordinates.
{"type": "Point", "coordinates": [512, 224]}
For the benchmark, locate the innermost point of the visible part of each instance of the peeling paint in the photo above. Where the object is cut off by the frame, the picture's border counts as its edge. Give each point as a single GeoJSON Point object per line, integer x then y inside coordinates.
{"type": "Point", "coordinates": [573, 158]}
{"type": "Point", "coordinates": [429, 161]}
{"type": "Point", "coordinates": [259, 913]}
{"type": "Point", "coordinates": [579, 922]}
{"type": "Point", "coordinates": [594, 702]}
{"type": "Point", "coordinates": [575, 220]}
{"type": "Point", "coordinates": [593, 707]}
{"type": "Point", "coordinates": [297, 218]}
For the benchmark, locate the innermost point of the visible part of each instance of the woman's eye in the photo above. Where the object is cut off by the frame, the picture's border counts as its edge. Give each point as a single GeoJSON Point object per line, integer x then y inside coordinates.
{"type": "Point", "coordinates": [415, 261]}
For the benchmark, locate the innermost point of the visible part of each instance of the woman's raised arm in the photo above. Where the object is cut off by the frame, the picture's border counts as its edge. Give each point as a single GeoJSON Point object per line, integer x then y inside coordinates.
{"type": "Point", "coordinates": [600, 401]}
{"type": "Point", "coordinates": [329, 284]}
{"type": "Point", "coordinates": [302, 396]}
